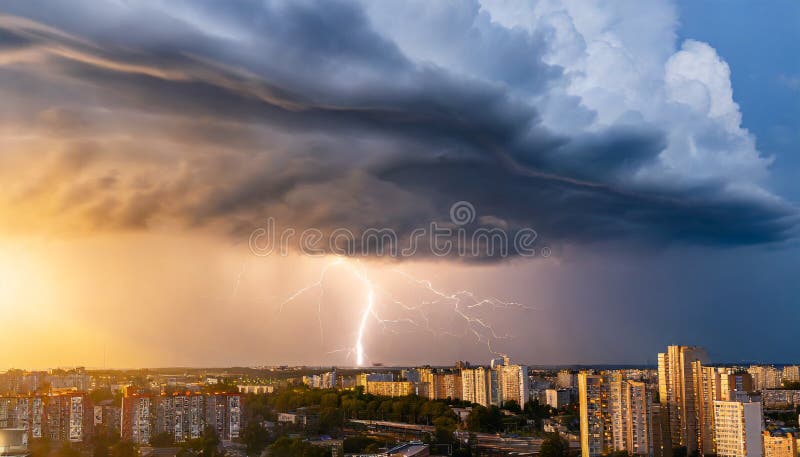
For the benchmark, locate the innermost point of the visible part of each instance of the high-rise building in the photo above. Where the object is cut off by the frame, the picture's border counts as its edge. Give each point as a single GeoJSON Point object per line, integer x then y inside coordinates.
{"type": "Point", "coordinates": [448, 385]}
{"type": "Point", "coordinates": [439, 384]}
{"type": "Point", "coordinates": [791, 373]}
{"type": "Point", "coordinates": [321, 381]}
{"type": "Point", "coordinates": [62, 417]}
{"type": "Point", "coordinates": [661, 443]}
{"type": "Point", "coordinates": [68, 417]}
{"type": "Point", "coordinates": [566, 379]}
{"type": "Point", "coordinates": [738, 428]}
{"type": "Point", "coordinates": [107, 415]}
{"type": "Point", "coordinates": [363, 379]}
{"type": "Point", "coordinates": [138, 416]}
{"type": "Point", "coordinates": [731, 382]}
{"type": "Point", "coordinates": [557, 398]}
{"type": "Point", "coordinates": [392, 388]}
{"type": "Point", "coordinates": [474, 384]}
{"type": "Point", "coordinates": [765, 377]}
{"type": "Point", "coordinates": [629, 404]}
{"type": "Point", "coordinates": [495, 392]}
{"type": "Point", "coordinates": [329, 379]}
{"type": "Point", "coordinates": [707, 384]}
{"type": "Point", "coordinates": [72, 379]}
{"type": "Point", "coordinates": [780, 443]}
{"type": "Point", "coordinates": [429, 377]}
{"type": "Point", "coordinates": [595, 420]}
{"type": "Point", "coordinates": [31, 415]}
{"type": "Point", "coordinates": [676, 386]}
{"type": "Point", "coordinates": [513, 381]}
{"type": "Point", "coordinates": [224, 413]}
{"type": "Point", "coordinates": [181, 416]}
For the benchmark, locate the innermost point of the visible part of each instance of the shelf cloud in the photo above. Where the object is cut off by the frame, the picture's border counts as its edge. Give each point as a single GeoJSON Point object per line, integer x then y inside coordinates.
{"type": "Point", "coordinates": [216, 115]}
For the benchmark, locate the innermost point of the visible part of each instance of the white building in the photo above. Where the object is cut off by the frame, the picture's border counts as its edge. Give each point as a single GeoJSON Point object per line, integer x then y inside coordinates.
{"type": "Point", "coordinates": [556, 398]}
{"type": "Point", "coordinates": [737, 428]}
{"type": "Point", "coordinates": [256, 389]}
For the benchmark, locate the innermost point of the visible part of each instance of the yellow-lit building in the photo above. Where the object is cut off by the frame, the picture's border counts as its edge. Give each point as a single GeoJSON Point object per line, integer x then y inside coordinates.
{"type": "Point", "coordinates": [391, 388]}
{"type": "Point", "coordinates": [737, 428]}
{"type": "Point", "coordinates": [629, 406]}
{"type": "Point", "coordinates": [596, 427]}
{"type": "Point", "coordinates": [779, 443]}
{"type": "Point", "coordinates": [678, 388]}
{"type": "Point", "coordinates": [474, 382]}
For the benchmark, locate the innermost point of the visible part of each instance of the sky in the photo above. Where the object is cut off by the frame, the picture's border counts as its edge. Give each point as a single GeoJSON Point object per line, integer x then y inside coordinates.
{"type": "Point", "coordinates": [148, 149]}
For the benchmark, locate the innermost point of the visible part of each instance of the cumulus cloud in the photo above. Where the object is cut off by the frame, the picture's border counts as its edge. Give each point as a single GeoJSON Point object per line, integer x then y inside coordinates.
{"type": "Point", "coordinates": [584, 125]}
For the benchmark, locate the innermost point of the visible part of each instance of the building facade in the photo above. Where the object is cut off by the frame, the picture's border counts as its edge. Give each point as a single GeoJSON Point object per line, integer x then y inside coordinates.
{"type": "Point", "coordinates": [738, 428]}
{"type": "Point", "coordinates": [513, 381]}
{"type": "Point", "coordinates": [181, 416]}
{"type": "Point", "coordinates": [780, 443]}
{"type": "Point", "coordinates": [676, 387]}
{"type": "Point", "coordinates": [629, 405]}
{"type": "Point", "coordinates": [224, 413]}
{"type": "Point", "coordinates": [474, 384]}
{"type": "Point", "coordinates": [56, 417]}
{"type": "Point", "coordinates": [138, 419]}
{"type": "Point", "coordinates": [595, 419]}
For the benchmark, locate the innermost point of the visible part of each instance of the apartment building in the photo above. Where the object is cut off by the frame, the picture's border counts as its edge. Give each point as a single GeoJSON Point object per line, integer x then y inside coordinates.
{"type": "Point", "coordinates": [738, 427]}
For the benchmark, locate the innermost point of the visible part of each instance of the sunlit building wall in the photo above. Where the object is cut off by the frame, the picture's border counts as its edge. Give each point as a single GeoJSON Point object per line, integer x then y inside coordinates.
{"type": "Point", "coordinates": [595, 419]}
{"type": "Point", "coordinates": [738, 428]}
{"type": "Point", "coordinates": [474, 383]}
{"type": "Point", "coordinates": [676, 385]}
{"type": "Point", "coordinates": [780, 443]}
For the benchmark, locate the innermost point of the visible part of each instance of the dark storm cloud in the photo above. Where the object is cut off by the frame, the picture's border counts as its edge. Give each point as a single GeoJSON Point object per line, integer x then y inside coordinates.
{"type": "Point", "coordinates": [308, 114]}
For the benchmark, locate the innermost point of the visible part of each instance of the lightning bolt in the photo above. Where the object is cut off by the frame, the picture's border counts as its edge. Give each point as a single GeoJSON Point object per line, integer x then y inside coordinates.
{"type": "Point", "coordinates": [238, 281]}
{"type": "Point", "coordinates": [463, 303]}
{"type": "Point", "coordinates": [362, 326]}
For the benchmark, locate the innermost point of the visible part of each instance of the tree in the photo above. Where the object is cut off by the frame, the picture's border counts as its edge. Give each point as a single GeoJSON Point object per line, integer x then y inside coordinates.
{"type": "Point", "coordinates": [482, 419]}
{"type": "Point", "coordinates": [286, 447]}
{"type": "Point", "coordinates": [255, 437]}
{"type": "Point", "coordinates": [163, 439]}
{"type": "Point", "coordinates": [679, 451]}
{"type": "Point", "coordinates": [474, 418]}
{"type": "Point", "coordinates": [100, 449]}
{"type": "Point", "coordinates": [40, 448]}
{"type": "Point", "coordinates": [330, 400]}
{"type": "Point", "coordinates": [209, 442]}
{"type": "Point", "coordinates": [67, 450]}
{"type": "Point", "coordinates": [537, 411]}
{"type": "Point", "coordinates": [554, 445]}
{"type": "Point", "coordinates": [330, 419]}
{"type": "Point", "coordinates": [445, 426]}
{"type": "Point", "coordinates": [619, 454]}
{"type": "Point", "coordinates": [512, 406]}
{"type": "Point", "coordinates": [359, 443]}
{"type": "Point", "coordinates": [124, 449]}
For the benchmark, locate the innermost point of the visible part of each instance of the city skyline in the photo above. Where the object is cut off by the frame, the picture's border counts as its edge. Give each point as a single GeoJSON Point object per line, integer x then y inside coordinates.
{"type": "Point", "coordinates": [687, 405]}
{"type": "Point", "coordinates": [611, 180]}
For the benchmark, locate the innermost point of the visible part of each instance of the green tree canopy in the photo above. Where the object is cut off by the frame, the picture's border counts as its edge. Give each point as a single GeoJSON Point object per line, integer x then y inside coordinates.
{"type": "Point", "coordinates": [554, 445]}
{"type": "Point", "coordinates": [287, 447]}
